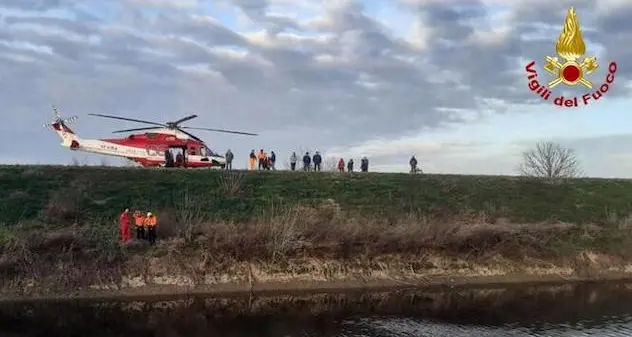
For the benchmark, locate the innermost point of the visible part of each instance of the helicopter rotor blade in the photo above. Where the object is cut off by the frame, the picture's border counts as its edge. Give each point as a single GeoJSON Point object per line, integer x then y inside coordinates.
{"type": "Point", "coordinates": [129, 119]}
{"type": "Point", "coordinates": [135, 129]}
{"type": "Point", "coordinates": [69, 120]}
{"type": "Point", "coordinates": [221, 130]}
{"type": "Point", "coordinates": [189, 134]}
{"type": "Point", "coordinates": [181, 120]}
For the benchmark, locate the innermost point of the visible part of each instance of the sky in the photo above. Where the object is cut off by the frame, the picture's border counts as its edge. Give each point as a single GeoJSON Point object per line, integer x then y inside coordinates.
{"type": "Point", "coordinates": [444, 80]}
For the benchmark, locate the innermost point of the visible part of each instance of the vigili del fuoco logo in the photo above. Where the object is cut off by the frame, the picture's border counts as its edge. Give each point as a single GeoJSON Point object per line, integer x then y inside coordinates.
{"type": "Point", "coordinates": [573, 70]}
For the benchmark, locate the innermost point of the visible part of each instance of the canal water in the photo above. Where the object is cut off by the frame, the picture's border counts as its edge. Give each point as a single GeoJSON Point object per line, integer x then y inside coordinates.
{"type": "Point", "coordinates": [569, 310]}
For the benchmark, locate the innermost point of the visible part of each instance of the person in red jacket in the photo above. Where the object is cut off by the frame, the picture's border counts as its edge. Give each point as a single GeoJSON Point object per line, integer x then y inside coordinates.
{"type": "Point", "coordinates": [341, 165]}
{"type": "Point", "coordinates": [125, 237]}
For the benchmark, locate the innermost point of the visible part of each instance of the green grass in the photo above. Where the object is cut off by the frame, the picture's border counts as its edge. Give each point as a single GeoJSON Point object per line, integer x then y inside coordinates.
{"type": "Point", "coordinates": [102, 193]}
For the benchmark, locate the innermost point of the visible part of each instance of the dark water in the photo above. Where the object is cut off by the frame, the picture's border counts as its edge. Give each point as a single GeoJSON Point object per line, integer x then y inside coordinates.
{"type": "Point", "coordinates": [578, 310]}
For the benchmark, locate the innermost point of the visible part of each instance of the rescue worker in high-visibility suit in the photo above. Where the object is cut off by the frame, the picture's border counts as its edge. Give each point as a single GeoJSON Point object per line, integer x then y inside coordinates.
{"type": "Point", "coordinates": [261, 157]}
{"type": "Point", "coordinates": [139, 221]}
{"type": "Point", "coordinates": [150, 223]}
{"type": "Point", "coordinates": [125, 235]}
{"type": "Point", "coordinates": [252, 160]}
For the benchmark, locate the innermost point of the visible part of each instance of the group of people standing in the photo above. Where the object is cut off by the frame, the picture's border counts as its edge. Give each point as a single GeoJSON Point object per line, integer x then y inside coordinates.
{"type": "Point", "coordinates": [316, 160]}
{"type": "Point", "coordinates": [145, 224]}
{"type": "Point", "coordinates": [171, 162]}
{"type": "Point", "coordinates": [364, 165]}
{"type": "Point", "coordinates": [261, 160]}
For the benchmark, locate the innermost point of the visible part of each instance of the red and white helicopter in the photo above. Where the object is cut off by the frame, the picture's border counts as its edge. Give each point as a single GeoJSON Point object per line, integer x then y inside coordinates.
{"type": "Point", "coordinates": [147, 149]}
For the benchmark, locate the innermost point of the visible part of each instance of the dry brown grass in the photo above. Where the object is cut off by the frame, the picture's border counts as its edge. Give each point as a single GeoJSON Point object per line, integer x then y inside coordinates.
{"type": "Point", "coordinates": [73, 256]}
{"type": "Point", "coordinates": [325, 231]}
{"type": "Point", "coordinates": [230, 182]}
{"type": "Point", "coordinates": [63, 205]}
{"type": "Point", "coordinates": [90, 254]}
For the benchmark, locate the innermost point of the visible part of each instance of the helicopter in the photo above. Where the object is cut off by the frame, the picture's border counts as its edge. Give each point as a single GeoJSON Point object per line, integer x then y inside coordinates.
{"type": "Point", "coordinates": [148, 149]}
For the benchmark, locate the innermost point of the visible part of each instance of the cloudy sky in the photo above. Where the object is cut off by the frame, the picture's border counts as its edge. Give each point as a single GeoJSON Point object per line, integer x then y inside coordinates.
{"type": "Point", "coordinates": [442, 79]}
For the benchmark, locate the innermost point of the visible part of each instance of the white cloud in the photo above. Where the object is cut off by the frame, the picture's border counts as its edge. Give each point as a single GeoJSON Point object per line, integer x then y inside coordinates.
{"type": "Point", "coordinates": [166, 3]}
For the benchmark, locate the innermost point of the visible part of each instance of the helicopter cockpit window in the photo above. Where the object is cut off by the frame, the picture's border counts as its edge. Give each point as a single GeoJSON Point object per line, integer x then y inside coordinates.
{"type": "Point", "coordinates": [203, 151]}
{"type": "Point", "coordinates": [208, 151]}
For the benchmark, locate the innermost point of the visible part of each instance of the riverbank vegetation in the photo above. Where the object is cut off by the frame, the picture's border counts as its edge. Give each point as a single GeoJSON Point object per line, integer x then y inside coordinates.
{"type": "Point", "coordinates": [369, 229]}
{"type": "Point", "coordinates": [315, 242]}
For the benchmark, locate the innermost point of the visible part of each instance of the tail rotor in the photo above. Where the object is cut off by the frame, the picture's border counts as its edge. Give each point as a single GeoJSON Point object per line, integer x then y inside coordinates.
{"type": "Point", "coordinates": [57, 119]}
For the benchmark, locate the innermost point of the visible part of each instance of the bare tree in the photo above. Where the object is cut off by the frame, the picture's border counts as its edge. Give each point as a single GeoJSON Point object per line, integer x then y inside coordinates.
{"type": "Point", "coordinates": [330, 164]}
{"type": "Point", "coordinates": [550, 160]}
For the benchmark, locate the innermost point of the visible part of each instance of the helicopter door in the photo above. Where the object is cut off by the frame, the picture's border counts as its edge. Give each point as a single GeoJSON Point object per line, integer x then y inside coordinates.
{"type": "Point", "coordinates": [203, 153]}
{"type": "Point", "coordinates": [180, 155]}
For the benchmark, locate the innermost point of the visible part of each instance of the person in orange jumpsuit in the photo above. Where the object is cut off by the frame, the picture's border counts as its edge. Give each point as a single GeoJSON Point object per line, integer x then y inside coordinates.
{"type": "Point", "coordinates": [266, 162]}
{"type": "Point", "coordinates": [125, 237]}
{"type": "Point", "coordinates": [252, 160]}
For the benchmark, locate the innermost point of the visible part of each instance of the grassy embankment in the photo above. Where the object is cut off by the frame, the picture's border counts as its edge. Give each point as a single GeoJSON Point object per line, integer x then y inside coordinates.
{"type": "Point", "coordinates": [279, 230]}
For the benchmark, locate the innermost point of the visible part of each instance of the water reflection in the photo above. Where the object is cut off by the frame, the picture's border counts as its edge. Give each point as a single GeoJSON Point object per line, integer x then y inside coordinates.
{"type": "Point", "coordinates": [583, 310]}
{"type": "Point", "coordinates": [389, 327]}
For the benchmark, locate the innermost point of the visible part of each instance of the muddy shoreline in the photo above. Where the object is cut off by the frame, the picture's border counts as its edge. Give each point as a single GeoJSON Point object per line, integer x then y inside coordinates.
{"type": "Point", "coordinates": [300, 287]}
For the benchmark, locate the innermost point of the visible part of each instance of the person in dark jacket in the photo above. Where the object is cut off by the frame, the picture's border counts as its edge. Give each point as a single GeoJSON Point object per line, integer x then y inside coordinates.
{"type": "Point", "coordinates": [179, 160]}
{"type": "Point", "coordinates": [266, 161]}
{"type": "Point", "coordinates": [168, 158]}
{"type": "Point", "coordinates": [413, 165]}
{"type": "Point", "coordinates": [317, 161]}
{"type": "Point", "coordinates": [364, 165]}
{"type": "Point", "coordinates": [350, 165]}
{"type": "Point", "coordinates": [262, 158]}
{"type": "Point", "coordinates": [272, 160]}
{"type": "Point", "coordinates": [229, 160]}
{"type": "Point", "coordinates": [307, 162]}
